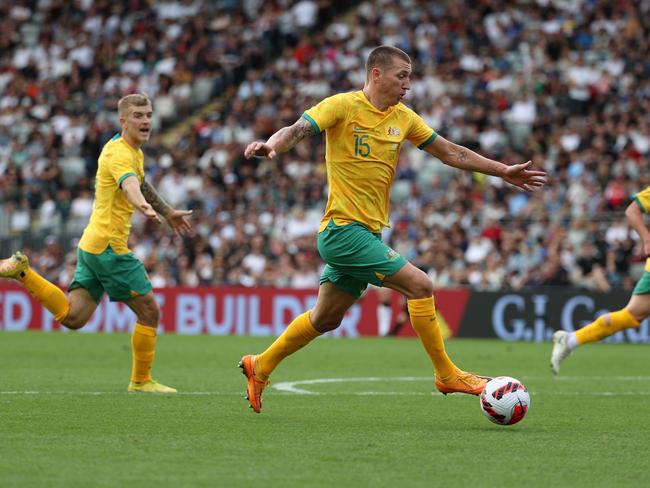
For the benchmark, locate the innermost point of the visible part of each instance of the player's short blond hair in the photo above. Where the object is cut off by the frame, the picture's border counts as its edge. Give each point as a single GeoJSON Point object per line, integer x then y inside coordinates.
{"type": "Point", "coordinates": [136, 99]}
{"type": "Point", "coordinates": [382, 57]}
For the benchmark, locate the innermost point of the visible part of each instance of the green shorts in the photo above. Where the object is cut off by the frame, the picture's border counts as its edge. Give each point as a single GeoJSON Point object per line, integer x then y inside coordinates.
{"type": "Point", "coordinates": [643, 285]}
{"type": "Point", "coordinates": [122, 276]}
{"type": "Point", "coordinates": [355, 257]}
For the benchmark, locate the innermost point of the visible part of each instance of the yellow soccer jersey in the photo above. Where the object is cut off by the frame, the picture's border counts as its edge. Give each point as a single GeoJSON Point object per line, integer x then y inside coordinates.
{"type": "Point", "coordinates": [643, 200]}
{"type": "Point", "coordinates": [362, 150]}
{"type": "Point", "coordinates": [110, 222]}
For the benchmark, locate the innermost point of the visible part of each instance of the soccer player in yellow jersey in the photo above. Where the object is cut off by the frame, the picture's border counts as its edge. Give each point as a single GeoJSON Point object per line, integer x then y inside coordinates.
{"type": "Point", "coordinates": [104, 262]}
{"type": "Point", "coordinates": [636, 310]}
{"type": "Point", "coordinates": [364, 133]}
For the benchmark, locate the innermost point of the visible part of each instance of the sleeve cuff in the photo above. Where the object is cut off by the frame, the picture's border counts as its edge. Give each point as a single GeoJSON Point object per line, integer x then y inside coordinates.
{"type": "Point", "coordinates": [428, 141]}
{"type": "Point", "coordinates": [313, 123]}
{"type": "Point", "coordinates": [638, 202]}
{"type": "Point", "coordinates": [123, 177]}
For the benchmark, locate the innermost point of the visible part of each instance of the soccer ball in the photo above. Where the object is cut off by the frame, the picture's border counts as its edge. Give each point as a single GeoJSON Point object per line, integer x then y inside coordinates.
{"type": "Point", "coordinates": [504, 400]}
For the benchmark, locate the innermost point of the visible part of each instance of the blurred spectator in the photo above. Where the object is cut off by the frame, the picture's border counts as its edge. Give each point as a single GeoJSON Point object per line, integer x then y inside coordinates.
{"type": "Point", "coordinates": [516, 82]}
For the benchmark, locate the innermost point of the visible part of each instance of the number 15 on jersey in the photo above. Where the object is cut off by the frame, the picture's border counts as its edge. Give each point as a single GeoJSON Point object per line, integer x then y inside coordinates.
{"type": "Point", "coordinates": [361, 146]}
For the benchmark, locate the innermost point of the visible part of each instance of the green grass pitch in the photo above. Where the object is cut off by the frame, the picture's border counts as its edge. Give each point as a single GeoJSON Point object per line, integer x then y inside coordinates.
{"type": "Point", "coordinates": [67, 421]}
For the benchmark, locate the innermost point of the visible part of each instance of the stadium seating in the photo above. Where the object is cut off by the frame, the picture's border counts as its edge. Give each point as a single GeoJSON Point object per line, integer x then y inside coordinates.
{"type": "Point", "coordinates": [514, 84]}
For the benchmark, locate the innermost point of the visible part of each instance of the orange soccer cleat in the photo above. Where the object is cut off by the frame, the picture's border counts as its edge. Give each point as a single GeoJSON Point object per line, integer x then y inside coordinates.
{"type": "Point", "coordinates": [255, 386]}
{"type": "Point", "coordinates": [464, 382]}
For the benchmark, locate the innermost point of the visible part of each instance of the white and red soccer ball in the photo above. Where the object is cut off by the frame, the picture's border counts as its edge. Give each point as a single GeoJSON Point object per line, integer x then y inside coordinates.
{"type": "Point", "coordinates": [504, 400]}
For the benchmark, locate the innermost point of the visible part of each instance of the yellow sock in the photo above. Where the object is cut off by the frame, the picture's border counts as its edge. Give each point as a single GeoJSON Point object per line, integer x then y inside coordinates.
{"type": "Point", "coordinates": [143, 345]}
{"type": "Point", "coordinates": [423, 319]}
{"type": "Point", "coordinates": [605, 326]}
{"type": "Point", "coordinates": [299, 333]}
{"type": "Point", "coordinates": [49, 295]}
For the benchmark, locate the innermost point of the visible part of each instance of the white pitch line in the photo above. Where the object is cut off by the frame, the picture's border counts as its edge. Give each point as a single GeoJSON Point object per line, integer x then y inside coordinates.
{"type": "Point", "coordinates": [598, 378]}
{"type": "Point", "coordinates": [290, 386]}
{"type": "Point", "coordinates": [293, 386]}
{"type": "Point", "coordinates": [593, 393]}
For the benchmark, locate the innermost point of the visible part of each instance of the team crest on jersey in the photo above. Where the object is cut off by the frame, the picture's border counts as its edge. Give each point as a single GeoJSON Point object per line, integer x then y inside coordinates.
{"type": "Point", "coordinates": [394, 131]}
{"type": "Point", "coordinates": [391, 255]}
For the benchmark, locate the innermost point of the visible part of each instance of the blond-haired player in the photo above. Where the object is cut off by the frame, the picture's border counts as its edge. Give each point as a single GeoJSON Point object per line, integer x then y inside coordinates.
{"type": "Point", "coordinates": [365, 130]}
{"type": "Point", "coordinates": [104, 261]}
{"type": "Point", "coordinates": [630, 316]}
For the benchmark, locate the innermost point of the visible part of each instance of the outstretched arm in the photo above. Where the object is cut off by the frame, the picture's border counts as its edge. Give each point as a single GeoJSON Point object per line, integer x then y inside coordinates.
{"type": "Point", "coordinates": [282, 141]}
{"type": "Point", "coordinates": [462, 158]}
{"type": "Point", "coordinates": [131, 188]}
{"type": "Point", "coordinates": [154, 199]}
{"type": "Point", "coordinates": [175, 218]}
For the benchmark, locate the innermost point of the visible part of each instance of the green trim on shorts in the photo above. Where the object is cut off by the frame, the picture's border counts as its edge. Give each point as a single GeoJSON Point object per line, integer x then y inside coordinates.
{"type": "Point", "coordinates": [355, 257]}
{"type": "Point", "coordinates": [312, 122]}
{"type": "Point", "coordinates": [123, 177]}
{"type": "Point", "coordinates": [122, 276]}
{"type": "Point", "coordinates": [643, 285]}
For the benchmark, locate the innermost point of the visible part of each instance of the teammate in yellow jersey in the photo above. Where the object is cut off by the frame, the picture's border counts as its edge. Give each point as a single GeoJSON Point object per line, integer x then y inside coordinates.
{"type": "Point", "coordinates": [104, 262]}
{"type": "Point", "coordinates": [636, 310]}
{"type": "Point", "coordinates": [364, 133]}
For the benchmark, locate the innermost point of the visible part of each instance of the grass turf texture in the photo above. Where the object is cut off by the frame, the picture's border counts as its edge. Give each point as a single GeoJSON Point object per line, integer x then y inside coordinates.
{"type": "Point", "coordinates": [66, 419]}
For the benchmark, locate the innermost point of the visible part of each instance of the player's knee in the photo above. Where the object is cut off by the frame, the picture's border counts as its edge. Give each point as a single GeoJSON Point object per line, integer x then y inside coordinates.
{"type": "Point", "coordinates": [149, 315]}
{"type": "Point", "coordinates": [422, 287]}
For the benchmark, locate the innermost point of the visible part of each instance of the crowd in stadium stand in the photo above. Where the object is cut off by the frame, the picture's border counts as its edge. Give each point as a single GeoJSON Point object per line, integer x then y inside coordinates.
{"type": "Point", "coordinates": [564, 83]}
